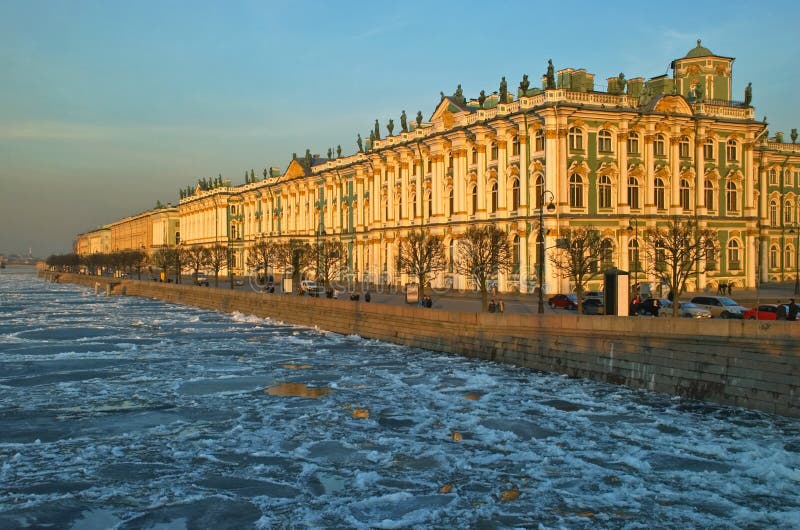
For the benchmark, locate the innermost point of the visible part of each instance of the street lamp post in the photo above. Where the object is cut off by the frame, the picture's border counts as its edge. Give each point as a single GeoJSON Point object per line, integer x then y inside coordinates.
{"type": "Point", "coordinates": [540, 242]}
{"type": "Point", "coordinates": [796, 230]}
{"type": "Point", "coordinates": [633, 226]}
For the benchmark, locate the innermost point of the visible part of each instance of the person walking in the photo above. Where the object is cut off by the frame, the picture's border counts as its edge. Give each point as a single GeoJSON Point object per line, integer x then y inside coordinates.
{"type": "Point", "coordinates": [656, 307]}
{"type": "Point", "coordinates": [491, 306]}
{"type": "Point", "coordinates": [792, 310]}
{"type": "Point", "coordinates": [501, 306]}
{"type": "Point", "coordinates": [367, 297]}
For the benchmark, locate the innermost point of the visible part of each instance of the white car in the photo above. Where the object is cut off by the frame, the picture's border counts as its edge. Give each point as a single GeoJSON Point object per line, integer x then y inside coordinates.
{"type": "Point", "coordinates": [685, 309]}
{"type": "Point", "coordinates": [311, 288]}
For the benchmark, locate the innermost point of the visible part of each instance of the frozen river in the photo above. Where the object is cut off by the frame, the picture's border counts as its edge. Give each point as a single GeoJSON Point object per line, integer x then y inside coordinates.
{"type": "Point", "coordinates": [120, 412]}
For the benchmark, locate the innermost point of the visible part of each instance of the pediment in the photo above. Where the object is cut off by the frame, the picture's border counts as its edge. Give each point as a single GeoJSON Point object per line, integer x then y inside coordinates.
{"type": "Point", "coordinates": [673, 105]}
{"type": "Point", "coordinates": [445, 112]}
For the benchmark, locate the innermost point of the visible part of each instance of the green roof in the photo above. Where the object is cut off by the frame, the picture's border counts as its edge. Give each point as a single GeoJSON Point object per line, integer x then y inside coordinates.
{"type": "Point", "coordinates": [698, 51]}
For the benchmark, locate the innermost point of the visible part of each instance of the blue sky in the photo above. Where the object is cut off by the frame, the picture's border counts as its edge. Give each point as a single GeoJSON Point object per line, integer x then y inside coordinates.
{"type": "Point", "coordinates": [107, 107]}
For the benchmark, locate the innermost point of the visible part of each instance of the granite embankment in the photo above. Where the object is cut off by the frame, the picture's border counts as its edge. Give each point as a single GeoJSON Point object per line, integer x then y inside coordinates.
{"type": "Point", "coordinates": [752, 364]}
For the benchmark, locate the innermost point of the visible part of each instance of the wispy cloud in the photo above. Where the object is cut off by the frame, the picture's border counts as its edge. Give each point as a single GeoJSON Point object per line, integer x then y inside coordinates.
{"type": "Point", "coordinates": [84, 132]}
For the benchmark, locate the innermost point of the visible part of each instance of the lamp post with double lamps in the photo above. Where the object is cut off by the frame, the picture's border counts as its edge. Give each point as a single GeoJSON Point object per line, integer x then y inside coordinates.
{"type": "Point", "coordinates": [633, 226]}
{"type": "Point", "coordinates": [796, 230]}
{"type": "Point", "coordinates": [540, 242]}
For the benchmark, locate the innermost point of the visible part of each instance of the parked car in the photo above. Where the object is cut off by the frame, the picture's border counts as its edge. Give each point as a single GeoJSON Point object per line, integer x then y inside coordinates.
{"type": "Point", "coordinates": [311, 288]}
{"type": "Point", "coordinates": [563, 301]}
{"type": "Point", "coordinates": [686, 310]}
{"type": "Point", "coordinates": [593, 306]}
{"type": "Point", "coordinates": [767, 312]}
{"type": "Point", "coordinates": [201, 279]}
{"type": "Point", "coordinates": [647, 307]}
{"type": "Point", "coordinates": [720, 306]}
{"type": "Point", "coordinates": [594, 294]}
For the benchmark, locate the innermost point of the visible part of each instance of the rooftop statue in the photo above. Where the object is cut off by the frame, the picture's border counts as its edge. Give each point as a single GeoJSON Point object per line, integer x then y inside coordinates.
{"type": "Point", "coordinates": [377, 131]}
{"type": "Point", "coordinates": [360, 143]}
{"type": "Point", "coordinates": [621, 83]}
{"type": "Point", "coordinates": [482, 98]}
{"type": "Point", "coordinates": [503, 90]}
{"type": "Point", "coordinates": [523, 86]}
{"type": "Point", "coordinates": [550, 78]}
{"type": "Point", "coordinates": [338, 151]}
{"type": "Point", "coordinates": [748, 94]}
{"type": "Point", "coordinates": [459, 95]}
{"type": "Point", "coordinates": [419, 118]}
{"type": "Point", "coordinates": [390, 126]}
{"type": "Point", "coordinates": [403, 122]}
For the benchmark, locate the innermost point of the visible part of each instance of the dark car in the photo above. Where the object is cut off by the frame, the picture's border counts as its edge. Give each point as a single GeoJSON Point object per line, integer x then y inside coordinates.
{"type": "Point", "coordinates": [647, 307]}
{"type": "Point", "coordinates": [563, 301]}
{"type": "Point", "coordinates": [593, 306]}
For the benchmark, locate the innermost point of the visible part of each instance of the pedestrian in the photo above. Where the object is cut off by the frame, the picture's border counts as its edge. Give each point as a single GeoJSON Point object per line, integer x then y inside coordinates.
{"type": "Point", "coordinates": [792, 310]}
{"type": "Point", "coordinates": [656, 307]}
{"type": "Point", "coordinates": [730, 288]}
{"type": "Point", "coordinates": [367, 297]}
{"type": "Point", "coordinates": [491, 305]}
{"type": "Point", "coordinates": [501, 306]}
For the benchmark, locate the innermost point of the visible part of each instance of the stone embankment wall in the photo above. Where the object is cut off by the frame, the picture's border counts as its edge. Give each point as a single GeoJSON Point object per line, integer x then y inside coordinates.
{"type": "Point", "coordinates": [752, 364]}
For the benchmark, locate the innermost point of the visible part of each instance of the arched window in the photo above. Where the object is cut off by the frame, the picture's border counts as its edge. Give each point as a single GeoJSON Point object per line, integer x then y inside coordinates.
{"type": "Point", "coordinates": [451, 202]}
{"type": "Point", "coordinates": [633, 256]}
{"type": "Point", "coordinates": [787, 212]}
{"type": "Point", "coordinates": [731, 196]}
{"type": "Point", "coordinates": [708, 149]}
{"type": "Point", "coordinates": [604, 141]}
{"type": "Point", "coordinates": [709, 194]}
{"type": "Point", "coordinates": [773, 257]}
{"type": "Point", "coordinates": [773, 177]}
{"type": "Point", "coordinates": [430, 204]}
{"type": "Point", "coordinates": [733, 255]}
{"type": "Point", "coordinates": [788, 256]}
{"type": "Point", "coordinates": [515, 146]}
{"type": "Point", "coordinates": [633, 192]}
{"type": "Point", "coordinates": [474, 155]}
{"type": "Point", "coordinates": [515, 254]}
{"type": "Point", "coordinates": [575, 139]}
{"type": "Point", "coordinates": [494, 152]}
{"type": "Point", "coordinates": [576, 191]}
{"type": "Point", "coordinates": [539, 140]}
{"type": "Point", "coordinates": [413, 200]}
{"type": "Point", "coordinates": [539, 191]}
{"type": "Point", "coordinates": [658, 145]}
{"type": "Point", "coordinates": [731, 150]}
{"type": "Point", "coordinates": [606, 254]}
{"type": "Point", "coordinates": [683, 147]}
{"type": "Point", "coordinates": [604, 192]}
{"type": "Point", "coordinates": [773, 212]}
{"type": "Point", "coordinates": [633, 143]}
{"type": "Point", "coordinates": [399, 207]}
{"type": "Point", "coordinates": [684, 195]}
{"type": "Point", "coordinates": [494, 199]}
{"type": "Point", "coordinates": [474, 195]}
{"type": "Point", "coordinates": [658, 193]}
{"type": "Point", "coordinates": [514, 194]}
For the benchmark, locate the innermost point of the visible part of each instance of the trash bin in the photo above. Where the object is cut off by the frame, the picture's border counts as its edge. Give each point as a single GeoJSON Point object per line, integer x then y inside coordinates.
{"type": "Point", "coordinates": [616, 292]}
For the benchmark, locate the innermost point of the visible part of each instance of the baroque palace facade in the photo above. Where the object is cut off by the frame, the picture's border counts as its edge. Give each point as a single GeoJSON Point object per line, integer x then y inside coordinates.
{"type": "Point", "coordinates": [622, 161]}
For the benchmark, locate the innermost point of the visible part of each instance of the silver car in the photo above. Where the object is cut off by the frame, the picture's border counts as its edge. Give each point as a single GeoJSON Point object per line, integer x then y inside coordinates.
{"type": "Point", "coordinates": [686, 310]}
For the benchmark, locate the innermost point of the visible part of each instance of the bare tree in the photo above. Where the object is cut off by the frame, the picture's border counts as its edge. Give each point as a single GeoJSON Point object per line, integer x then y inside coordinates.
{"type": "Point", "coordinates": [676, 250]}
{"type": "Point", "coordinates": [576, 256]}
{"type": "Point", "coordinates": [263, 256]}
{"type": "Point", "coordinates": [422, 256]}
{"type": "Point", "coordinates": [294, 256]}
{"type": "Point", "coordinates": [218, 258]}
{"type": "Point", "coordinates": [329, 261]}
{"type": "Point", "coordinates": [482, 253]}
{"type": "Point", "coordinates": [197, 257]}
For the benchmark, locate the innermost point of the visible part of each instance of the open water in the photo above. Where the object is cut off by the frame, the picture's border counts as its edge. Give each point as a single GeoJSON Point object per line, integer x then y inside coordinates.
{"type": "Point", "coordinates": [122, 412]}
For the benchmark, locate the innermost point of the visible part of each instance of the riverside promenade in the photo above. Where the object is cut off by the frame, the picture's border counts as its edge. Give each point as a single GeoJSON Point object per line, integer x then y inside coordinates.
{"type": "Point", "coordinates": [752, 364]}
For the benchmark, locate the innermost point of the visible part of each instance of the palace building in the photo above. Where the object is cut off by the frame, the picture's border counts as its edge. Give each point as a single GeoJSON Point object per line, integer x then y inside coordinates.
{"type": "Point", "coordinates": [621, 160]}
